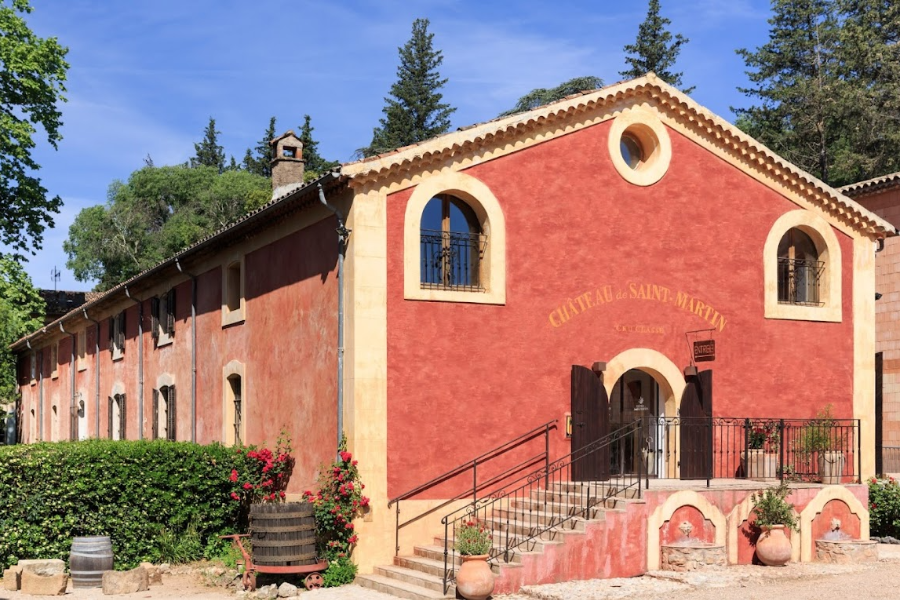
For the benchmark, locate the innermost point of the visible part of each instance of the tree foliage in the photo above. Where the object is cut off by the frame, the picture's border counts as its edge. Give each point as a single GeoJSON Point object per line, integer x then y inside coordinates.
{"type": "Point", "coordinates": [21, 312]}
{"type": "Point", "coordinates": [261, 164]}
{"type": "Point", "coordinates": [208, 151]}
{"type": "Point", "coordinates": [827, 86]}
{"type": "Point", "coordinates": [315, 164]}
{"type": "Point", "coordinates": [414, 111]}
{"type": "Point", "coordinates": [32, 73]}
{"type": "Point", "coordinates": [541, 96]}
{"type": "Point", "coordinates": [156, 213]}
{"type": "Point", "coordinates": [655, 50]}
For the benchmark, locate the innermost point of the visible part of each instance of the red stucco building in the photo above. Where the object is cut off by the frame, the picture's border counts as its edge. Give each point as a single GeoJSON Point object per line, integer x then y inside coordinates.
{"type": "Point", "coordinates": [548, 271]}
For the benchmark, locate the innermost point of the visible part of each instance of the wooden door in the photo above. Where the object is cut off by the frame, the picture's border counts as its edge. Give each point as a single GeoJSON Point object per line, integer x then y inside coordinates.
{"type": "Point", "coordinates": [695, 424]}
{"type": "Point", "coordinates": [590, 423]}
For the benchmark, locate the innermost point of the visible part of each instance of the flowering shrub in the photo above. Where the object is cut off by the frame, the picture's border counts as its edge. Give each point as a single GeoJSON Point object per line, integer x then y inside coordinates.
{"type": "Point", "coordinates": [473, 538]}
{"type": "Point", "coordinates": [884, 507]}
{"type": "Point", "coordinates": [338, 501]}
{"type": "Point", "coordinates": [262, 475]}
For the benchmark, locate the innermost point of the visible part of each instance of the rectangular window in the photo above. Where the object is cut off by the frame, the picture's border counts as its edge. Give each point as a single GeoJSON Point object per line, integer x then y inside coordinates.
{"type": "Point", "coordinates": [81, 349]}
{"type": "Point", "coordinates": [117, 336]}
{"type": "Point", "coordinates": [54, 361]}
{"type": "Point", "coordinates": [117, 417]}
{"type": "Point", "coordinates": [33, 368]}
{"type": "Point", "coordinates": [234, 408]}
{"type": "Point", "coordinates": [162, 313]}
{"type": "Point", "coordinates": [164, 413]}
{"type": "Point", "coordinates": [233, 302]}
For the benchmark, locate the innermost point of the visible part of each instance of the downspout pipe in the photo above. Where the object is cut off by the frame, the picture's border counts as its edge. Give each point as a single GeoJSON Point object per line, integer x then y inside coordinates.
{"type": "Point", "coordinates": [343, 238]}
{"type": "Point", "coordinates": [193, 349]}
{"type": "Point", "coordinates": [41, 394]}
{"type": "Point", "coordinates": [140, 304]}
{"type": "Point", "coordinates": [96, 369]}
{"type": "Point", "coordinates": [73, 420]}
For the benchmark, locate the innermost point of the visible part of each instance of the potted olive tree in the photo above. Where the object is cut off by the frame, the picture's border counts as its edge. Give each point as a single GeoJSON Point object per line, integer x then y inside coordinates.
{"type": "Point", "coordinates": [824, 440]}
{"type": "Point", "coordinates": [773, 513]}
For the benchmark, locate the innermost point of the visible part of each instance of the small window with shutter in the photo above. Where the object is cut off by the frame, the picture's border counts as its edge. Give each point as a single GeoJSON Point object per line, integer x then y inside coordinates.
{"type": "Point", "coordinates": [164, 426]}
{"type": "Point", "coordinates": [162, 313]}
{"type": "Point", "coordinates": [117, 417]}
{"type": "Point", "coordinates": [234, 308]}
{"type": "Point", "coordinates": [117, 335]}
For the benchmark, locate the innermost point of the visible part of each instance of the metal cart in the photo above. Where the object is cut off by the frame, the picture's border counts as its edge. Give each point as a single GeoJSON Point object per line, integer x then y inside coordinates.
{"type": "Point", "coordinates": [312, 581]}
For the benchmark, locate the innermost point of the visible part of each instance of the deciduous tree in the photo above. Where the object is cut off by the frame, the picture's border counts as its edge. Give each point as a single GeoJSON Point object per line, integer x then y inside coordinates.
{"type": "Point", "coordinates": [541, 96]}
{"type": "Point", "coordinates": [21, 312]}
{"type": "Point", "coordinates": [32, 76]}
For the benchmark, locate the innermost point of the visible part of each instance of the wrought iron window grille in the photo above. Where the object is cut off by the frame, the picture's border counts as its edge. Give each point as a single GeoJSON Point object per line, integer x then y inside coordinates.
{"type": "Point", "coordinates": [452, 260]}
{"type": "Point", "coordinates": [799, 281]}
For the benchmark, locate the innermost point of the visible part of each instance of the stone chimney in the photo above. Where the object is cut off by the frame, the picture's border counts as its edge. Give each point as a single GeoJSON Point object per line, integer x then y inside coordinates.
{"type": "Point", "coordinates": [287, 164]}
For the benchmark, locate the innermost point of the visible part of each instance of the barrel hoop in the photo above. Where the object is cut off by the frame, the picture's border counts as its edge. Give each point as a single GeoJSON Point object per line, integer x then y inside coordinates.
{"type": "Point", "coordinates": [282, 543]}
{"type": "Point", "coordinates": [287, 558]}
{"type": "Point", "coordinates": [281, 515]}
{"type": "Point", "coordinates": [284, 529]}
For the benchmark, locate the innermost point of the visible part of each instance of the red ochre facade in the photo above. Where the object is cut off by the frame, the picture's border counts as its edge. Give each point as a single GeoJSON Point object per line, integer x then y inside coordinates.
{"type": "Point", "coordinates": [596, 268]}
{"type": "Point", "coordinates": [287, 345]}
{"type": "Point", "coordinates": [463, 378]}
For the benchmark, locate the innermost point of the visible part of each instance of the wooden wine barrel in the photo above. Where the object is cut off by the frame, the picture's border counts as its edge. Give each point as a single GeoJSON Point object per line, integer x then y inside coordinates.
{"type": "Point", "coordinates": [90, 556]}
{"type": "Point", "coordinates": [283, 535]}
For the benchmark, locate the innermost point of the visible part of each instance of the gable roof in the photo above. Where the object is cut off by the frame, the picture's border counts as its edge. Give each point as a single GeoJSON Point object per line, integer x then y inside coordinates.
{"type": "Point", "coordinates": [673, 105]}
{"type": "Point", "coordinates": [870, 186]}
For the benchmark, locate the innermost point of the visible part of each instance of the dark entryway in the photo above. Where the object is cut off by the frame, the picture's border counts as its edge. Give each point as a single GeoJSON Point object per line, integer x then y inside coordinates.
{"type": "Point", "coordinates": [695, 427]}
{"type": "Point", "coordinates": [590, 423]}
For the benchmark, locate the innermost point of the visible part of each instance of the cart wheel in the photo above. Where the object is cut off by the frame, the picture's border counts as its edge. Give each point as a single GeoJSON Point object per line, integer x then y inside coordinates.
{"type": "Point", "coordinates": [251, 581]}
{"type": "Point", "coordinates": [313, 581]}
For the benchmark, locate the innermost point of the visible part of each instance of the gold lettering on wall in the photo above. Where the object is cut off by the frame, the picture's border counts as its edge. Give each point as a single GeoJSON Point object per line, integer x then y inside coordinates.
{"type": "Point", "coordinates": [634, 291]}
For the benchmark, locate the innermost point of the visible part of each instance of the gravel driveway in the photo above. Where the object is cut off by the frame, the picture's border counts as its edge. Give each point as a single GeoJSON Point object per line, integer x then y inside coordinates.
{"type": "Point", "coordinates": [808, 581]}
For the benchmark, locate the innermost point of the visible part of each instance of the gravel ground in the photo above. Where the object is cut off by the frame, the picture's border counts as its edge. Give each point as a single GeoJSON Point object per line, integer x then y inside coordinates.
{"type": "Point", "coordinates": [809, 581]}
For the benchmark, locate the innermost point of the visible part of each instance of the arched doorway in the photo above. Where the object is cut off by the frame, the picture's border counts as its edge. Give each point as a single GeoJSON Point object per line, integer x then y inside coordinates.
{"type": "Point", "coordinates": [638, 396]}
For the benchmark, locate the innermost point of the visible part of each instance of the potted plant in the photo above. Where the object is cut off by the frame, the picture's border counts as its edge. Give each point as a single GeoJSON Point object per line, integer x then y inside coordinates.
{"type": "Point", "coordinates": [823, 440]}
{"type": "Point", "coordinates": [773, 513]}
{"type": "Point", "coordinates": [474, 580]}
{"type": "Point", "coordinates": [760, 461]}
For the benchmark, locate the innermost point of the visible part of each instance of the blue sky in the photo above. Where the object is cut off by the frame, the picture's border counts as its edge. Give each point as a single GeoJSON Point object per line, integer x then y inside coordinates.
{"type": "Point", "coordinates": [146, 76]}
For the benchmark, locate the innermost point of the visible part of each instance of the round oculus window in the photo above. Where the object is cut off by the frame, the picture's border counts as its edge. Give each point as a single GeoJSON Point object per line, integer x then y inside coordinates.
{"type": "Point", "coordinates": [632, 152]}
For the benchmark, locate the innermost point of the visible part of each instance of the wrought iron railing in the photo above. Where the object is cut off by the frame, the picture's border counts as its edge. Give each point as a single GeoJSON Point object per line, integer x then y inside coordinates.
{"type": "Point", "coordinates": [798, 281]}
{"type": "Point", "coordinates": [541, 433]}
{"type": "Point", "coordinates": [811, 450]}
{"type": "Point", "coordinates": [536, 505]}
{"type": "Point", "coordinates": [890, 459]}
{"type": "Point", "coordinates": [452, 260]}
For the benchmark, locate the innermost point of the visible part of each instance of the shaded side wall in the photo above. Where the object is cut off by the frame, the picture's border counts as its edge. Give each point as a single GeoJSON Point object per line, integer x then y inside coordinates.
{"type": "Point", "coordinates": [463, 378]}
{"type": "Point", "coordinates": [287, 344]}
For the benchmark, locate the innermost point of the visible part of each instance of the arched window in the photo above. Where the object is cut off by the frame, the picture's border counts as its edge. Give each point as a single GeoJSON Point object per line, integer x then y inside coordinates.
{"type": "Point", "coordinates": [164, 413]}
{"type": "Point", "coordinates": [799, 269]}
{"type": "Point", "coordinates": [452, 246]}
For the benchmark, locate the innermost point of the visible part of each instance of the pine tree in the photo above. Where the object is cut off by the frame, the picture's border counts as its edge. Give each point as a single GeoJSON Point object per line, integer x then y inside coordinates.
{"type": "Point", "coordinates": [261, 164]}
{"type": "Point", "coordinates": [414, 111]}
{"type": "Point", "coordinates": [208, 152]}
{"type": "Point", "coordinates": [315, 164]}
{"type": "Point", "coordinates": [541, 96]}
{"type": "Point", "coordinates": [870, 110]}
{"type": "Point", "coordinates": [797, 84]}
{"type": "Point", "coordinates": [654, 50]}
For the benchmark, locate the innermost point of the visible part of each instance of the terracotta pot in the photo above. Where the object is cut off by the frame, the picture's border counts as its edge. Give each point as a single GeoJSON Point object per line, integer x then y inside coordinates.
{"type": "Point", "coordinates": [474, 580]}
{"type": "Point", "coordinates": [773, 548]}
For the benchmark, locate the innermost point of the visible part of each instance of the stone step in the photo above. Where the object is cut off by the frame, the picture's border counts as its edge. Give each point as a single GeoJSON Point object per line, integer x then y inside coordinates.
{"type": "Point", "coordinates": [542, 517]}
{"type": "Point", "coordinates": [400, 589]}
{"type": "Point", "coordinates": [530, 527]}
{"type": "Point", "coordinates": [576, 499]}
{"type": "Point", "coordinates": [414, 577]}
{"type": "Point", "coordinates": [435, 552]}
{"type": "Point", "coordinates": [423, 564]}
{"type": "Point", "coordinates": [595, 513]}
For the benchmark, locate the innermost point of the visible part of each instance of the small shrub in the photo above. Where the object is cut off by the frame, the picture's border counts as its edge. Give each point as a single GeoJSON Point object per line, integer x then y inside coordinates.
{"type": "Point", "coordinates": [261, 475]}
{"type": "Point", "coordinates": [772, 508]}
{"type": "Point", "coordinates": [884, 507]}
{"type": "Point", "coordinates": [339, 572]}
{"type": "Point", "coordinates": [473, 538]}
{"type": "Point", "coordinates": [178, 549]}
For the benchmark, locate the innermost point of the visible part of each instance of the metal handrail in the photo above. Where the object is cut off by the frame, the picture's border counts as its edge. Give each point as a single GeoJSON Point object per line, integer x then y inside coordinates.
{"type": "Point", "coordinates": [491, 506]}
{"type": "Point", "coordinates": [473, 464]}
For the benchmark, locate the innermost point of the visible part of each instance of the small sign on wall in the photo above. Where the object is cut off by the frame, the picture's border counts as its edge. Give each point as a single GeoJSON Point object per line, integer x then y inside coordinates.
{"type": "Point", "coordinates": [705, 351]}
{"type": "Point", "coordinates": [568, 426]}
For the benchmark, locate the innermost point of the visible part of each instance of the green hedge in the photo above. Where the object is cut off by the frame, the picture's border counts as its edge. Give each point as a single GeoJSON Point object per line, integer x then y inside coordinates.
{"type": "Point", "coordinates": [135, 492]}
